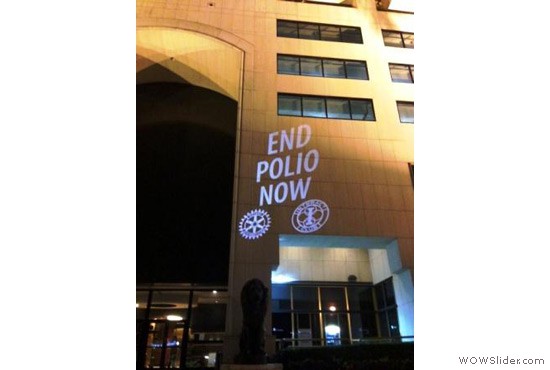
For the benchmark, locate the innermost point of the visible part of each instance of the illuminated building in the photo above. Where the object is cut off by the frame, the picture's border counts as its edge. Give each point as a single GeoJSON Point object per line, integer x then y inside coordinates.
{"type": "Point", "coordinates": [281, 133]}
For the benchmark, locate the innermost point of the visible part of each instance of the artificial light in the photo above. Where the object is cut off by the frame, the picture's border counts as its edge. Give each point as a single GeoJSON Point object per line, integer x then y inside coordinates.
{"type": "Point", "coordinates": [332, 330]}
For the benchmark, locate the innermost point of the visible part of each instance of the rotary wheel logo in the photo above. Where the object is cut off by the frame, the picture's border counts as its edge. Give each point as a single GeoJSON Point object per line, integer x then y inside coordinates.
{"type": "Point", "coordinates": [310, 216]}
{"type": "Point", "coordinates": [254, 224]}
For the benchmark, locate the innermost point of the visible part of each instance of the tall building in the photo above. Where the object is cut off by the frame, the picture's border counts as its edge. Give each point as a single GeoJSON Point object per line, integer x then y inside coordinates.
{"type": "Point", "coordinates": [275, 141]}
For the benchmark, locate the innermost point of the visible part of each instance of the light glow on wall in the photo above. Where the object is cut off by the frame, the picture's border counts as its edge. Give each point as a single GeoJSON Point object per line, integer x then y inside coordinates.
{"type": "Point", "coordinates": [402, 5]}
{"type": "Point", "coordinates": [174, 318]}
{"type": "Point", "coordinates": [281, 278]}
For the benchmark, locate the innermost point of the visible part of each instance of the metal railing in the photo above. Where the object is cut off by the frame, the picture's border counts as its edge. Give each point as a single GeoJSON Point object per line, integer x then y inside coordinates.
{"type": "Point", "coordinates": [317, 342]}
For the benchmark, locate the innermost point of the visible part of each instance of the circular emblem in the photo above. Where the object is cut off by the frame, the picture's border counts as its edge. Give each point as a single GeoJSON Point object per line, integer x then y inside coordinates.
{"type": "Point", "coordinates": [254, 224]}
{"type": "Point", "coordinates": [310, 216]}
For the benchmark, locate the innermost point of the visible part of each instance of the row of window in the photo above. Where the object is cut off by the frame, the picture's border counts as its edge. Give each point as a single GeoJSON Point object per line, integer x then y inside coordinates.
{"type": "Point", "coordinates": [333, 314]}
{"type": "Point", "coordinates": [317, 31]}
{"type": "Point", "coordinates": [337, 68]}
{"type": "Point", "coordinates": [398, 39]}
{"type": "Point", "coordinates": [322, 67]}
{"type": "Point", "coordinates": [337, 108]}
{"type": "Point", "coordinates": [337, 33]}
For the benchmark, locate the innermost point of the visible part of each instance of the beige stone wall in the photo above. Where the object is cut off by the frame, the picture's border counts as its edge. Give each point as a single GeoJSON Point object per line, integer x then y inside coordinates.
{"type": "Point", "coordinates": [363, 171]}
{"type": "Point", "coordinates": [324, 264]}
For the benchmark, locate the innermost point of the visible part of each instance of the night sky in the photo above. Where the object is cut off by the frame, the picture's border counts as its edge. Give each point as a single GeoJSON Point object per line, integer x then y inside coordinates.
{"type": "Point", "coordinates": [185, 161]}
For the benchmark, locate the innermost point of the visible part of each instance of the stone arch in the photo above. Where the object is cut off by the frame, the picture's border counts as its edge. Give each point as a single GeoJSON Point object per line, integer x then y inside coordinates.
{"type": "Point", "coordinates": [246, 78]}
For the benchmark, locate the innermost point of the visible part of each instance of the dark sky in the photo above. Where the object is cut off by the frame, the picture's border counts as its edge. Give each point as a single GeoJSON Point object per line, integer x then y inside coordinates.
{"type": "Point", "coordinates": [185, 161]}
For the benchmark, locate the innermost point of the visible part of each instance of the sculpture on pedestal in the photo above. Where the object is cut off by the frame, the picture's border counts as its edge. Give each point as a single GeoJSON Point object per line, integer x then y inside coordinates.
{"type": "Point", "coordinates": [254, 298]}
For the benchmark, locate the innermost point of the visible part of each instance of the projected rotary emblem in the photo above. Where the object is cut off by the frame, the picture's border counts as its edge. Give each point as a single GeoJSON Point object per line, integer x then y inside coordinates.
{"type": "Point", "coordinates": [310, 216]}
{"type": "Point", "coordinates": [254, 224]}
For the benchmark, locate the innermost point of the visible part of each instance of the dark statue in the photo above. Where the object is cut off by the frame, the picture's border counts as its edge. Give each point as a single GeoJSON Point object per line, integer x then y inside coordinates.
{"type": "Point", "coordinates": [254, 298]}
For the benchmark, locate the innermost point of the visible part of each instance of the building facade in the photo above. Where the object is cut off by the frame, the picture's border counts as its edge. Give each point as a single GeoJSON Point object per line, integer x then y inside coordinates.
{"type": "Point", "coordinates": [319, 196]}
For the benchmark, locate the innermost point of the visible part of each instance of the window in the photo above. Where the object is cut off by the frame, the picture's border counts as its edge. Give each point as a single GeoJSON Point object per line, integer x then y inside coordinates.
{"type": "Point", "coordinates": [308, 31]}
{"type": "Point", "coordinates": [411, 171]}
{"type": "Point", "coordinates": [311, 67]}
{"type": "Point", "coordinates": [290, 105]}
{"type": "Point", "coordinates": [316, 31]}
{"type": "Point", "coordinates": [329, 313]}
{"type": "Point", "coordinates": [406, 111]}
{"type": "Point", "coordinates": [356, 70]}
{"type": "Point", "coordinates": [326, 107]}
{"type": "Point", "coordinates": [173, 326]}
{"type": "Point", "coordinates": [398, 39]}
{"type": "Point", "coordinates": [386, 307]}
{"type": "Point", "coordinates": [322, 67]}
{"type": "Point", "coordinates": [287, 29]}
{"type": "Point", "coordinates": [288, 65]}
{"type": "Point", "coordinates": [334, 68]}
{"type": "Point", "coordinates": [402, 73]}
{"type": "Point", "coordinates": [313, 107]}
{"type": "Point", "coordinates": [338, 108]}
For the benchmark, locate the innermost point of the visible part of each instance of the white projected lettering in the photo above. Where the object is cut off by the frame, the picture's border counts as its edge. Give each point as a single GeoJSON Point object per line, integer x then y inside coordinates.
{"type": "Point", "coordinates": [286, 165]}
{"type": "Point", "coordinates": [286, 176]}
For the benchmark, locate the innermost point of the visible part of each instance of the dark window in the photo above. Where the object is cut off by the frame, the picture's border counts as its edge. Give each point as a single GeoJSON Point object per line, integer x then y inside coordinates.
{"type": "Point", "coordinates": [351, 34]}
{"type": "Point", "coordinates": [333, 299]}
{"type": "Point", "coordinates": [406, 111]}
{"type": "Point", "coordinates": [362, 110]}
{"type": "Point", "coordinates": [308, 31]}
{"type": "Point", "coordinates": [305, 298]}
{"type": "Point", "coordinates": [356, 70]}
{"type": "Point", "coordinates": [314, 106]}
{"type": "Point", "coordinates": [334, 314]}
{"type": "Point", "coordinates": [330, 33]}
{"type": "Point", "coordinates": [175, 325]}
{"type": "Point", "coordinates": [282, 325]}
{"type": "Point", "coordinates": [398, 39]}
{"type": "Point", "coordinates": [334, 68]}
{"type": "Point", "coordinates": [280, 297]}
{"type": "Point", "coordinates": [322, 67]}
{"type": "Point", "coordinates": [411, 170]}
{"type": "Point", "coordinates": [316, 31]}
{"type": "Point", "coordinates": [338, 108]}
{"type": "Point", "coordinates": [287, 29]}
{"type": "Point", "coordinates": [290, 105]}
{"type": "Point", "coordinates": [311, 66]}
{"type": "Point", "coordinates": [402, 73]}
{"type": "Point", "coordinates": [288, 65]}
{"type": "Point", "coordinates": [386, 307]}
{"type": "Point", "coordinates": [360, 298]}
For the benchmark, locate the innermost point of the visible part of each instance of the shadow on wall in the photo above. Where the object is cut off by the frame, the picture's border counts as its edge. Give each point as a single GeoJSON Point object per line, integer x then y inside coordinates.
{"type": "Point", "coordinates": [185, 164]}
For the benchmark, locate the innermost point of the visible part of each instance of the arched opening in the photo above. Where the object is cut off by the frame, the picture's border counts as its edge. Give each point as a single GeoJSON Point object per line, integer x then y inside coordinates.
{"type": "Point", "coordinates": [185, 163]}
{"type": "Point", "coordinates": [188, 92]}
{"type": "Point", "coordinates": [187, 109]}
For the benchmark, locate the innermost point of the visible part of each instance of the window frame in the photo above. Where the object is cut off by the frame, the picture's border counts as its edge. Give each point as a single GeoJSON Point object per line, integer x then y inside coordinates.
{"type": "Point", "coordinates": [318, 25]}
{"type": "Point", "coordinates": [410, 68]}
{"type": "Point", "coordinates": [410, 103]}
{"type": "Point", "coordinates": [322, 60]}
{"type": "Point", "coordinates": [326, 98]}
{"type": "Point", "coordinates": [400, 33]}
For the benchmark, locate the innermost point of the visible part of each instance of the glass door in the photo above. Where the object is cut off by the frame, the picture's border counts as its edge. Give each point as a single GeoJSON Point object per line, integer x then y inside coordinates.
{"type": "Point", "coordinates": [164, 344]}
